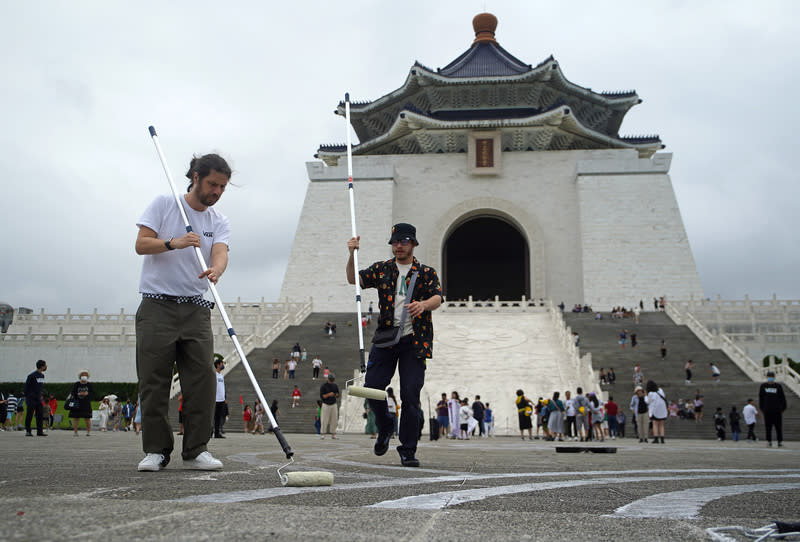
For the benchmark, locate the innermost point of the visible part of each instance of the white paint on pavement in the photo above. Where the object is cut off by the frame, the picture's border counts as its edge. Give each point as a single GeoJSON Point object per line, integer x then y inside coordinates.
{"type": "Point", "coordinates": [434, 501]}
{"type": "Point", "coordinates": [429, 501]}
{"type": "Point", "coordinates": [686, 504]}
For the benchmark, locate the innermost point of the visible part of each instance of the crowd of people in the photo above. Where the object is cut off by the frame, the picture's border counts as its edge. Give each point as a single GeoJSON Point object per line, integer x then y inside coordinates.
{"type": "Point", "coordinates": [33, 404]}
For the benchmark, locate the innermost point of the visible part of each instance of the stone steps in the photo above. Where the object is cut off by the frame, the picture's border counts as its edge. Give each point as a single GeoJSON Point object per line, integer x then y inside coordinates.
{"type": "Point", "coordinates": [600, 337]}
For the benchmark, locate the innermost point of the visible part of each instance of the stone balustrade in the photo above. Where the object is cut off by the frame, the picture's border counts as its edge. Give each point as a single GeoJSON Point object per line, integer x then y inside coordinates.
{"type": "Point", "coordinates": [494, 305]}
{"type": "Point", "coordinates": [583, 363]}
{"type": "Point", "coordinates": [105, 343]}
{"type": "Point", "coordinates": [680, 313]}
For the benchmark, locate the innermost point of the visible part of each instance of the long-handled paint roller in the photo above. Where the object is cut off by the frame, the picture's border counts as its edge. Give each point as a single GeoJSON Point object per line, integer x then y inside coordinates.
{"type": "Point", "coordinates": [357, 391]}
{"type": "Point", "coordinates": [318, 478]}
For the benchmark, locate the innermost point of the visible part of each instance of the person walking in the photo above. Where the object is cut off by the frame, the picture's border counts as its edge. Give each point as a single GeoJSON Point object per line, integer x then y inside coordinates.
{"type": "Point", "coordinates": [749, 413]}
{"type": "Point", "coordinates": [329, 415]}
{"type": "Point", "coordinates": [219, 399]}
{"type": "Point", "coordinates": [657, 410]}
{"type": "Point", "coordinates": [33, 398]}
{"type": "Point", "coordinates": [733, 418]}
{"type": "Point", "coordinates": [772, 403]}
{"type": "Point", "coordinates": [408, 292]}
{"type": "Point", "coordinates": [370, 427]}
{"type": "Point", "coordinates": [555, 421]}
{"type": "Point", "coordinates": [641, 413]}
{"type": "Point", "coordinates": [83, 392]}
{"type": "Point", "coordinates": [714, 372]}
{"type": "Point", "coordinates": [688, 368]}
{"type": "Point", "coordinates": [478, 412]}
{"type": "Point", "coordinates": [316, 364]}
{"type": "Point", "coordinates": [104, 409]}
{"type": "Point", "coordinates": [173, 322]}
{"type": "Point", "coordinates": [488, 421]}
{"type": "Point", "coordinates": [611, 414]}
{"type": "Point", "coordinates": [524, 413]}
{"type": "Point", "coordinates": [442, 416]}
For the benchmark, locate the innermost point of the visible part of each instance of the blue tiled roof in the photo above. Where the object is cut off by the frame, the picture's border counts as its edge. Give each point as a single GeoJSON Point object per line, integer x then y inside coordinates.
{"type": "Point", "coordinates": [485, 60]}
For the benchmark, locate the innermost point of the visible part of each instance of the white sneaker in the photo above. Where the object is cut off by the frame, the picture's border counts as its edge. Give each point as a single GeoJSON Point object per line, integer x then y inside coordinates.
{"type": "Point", "coordinates": [152, 463]}
{"type": "Point", "coordinates": [204, 461]}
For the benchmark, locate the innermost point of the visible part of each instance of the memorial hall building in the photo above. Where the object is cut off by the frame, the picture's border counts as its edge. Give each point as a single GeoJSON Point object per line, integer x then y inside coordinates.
{"type": "Point", "coordinates": [517, 179]}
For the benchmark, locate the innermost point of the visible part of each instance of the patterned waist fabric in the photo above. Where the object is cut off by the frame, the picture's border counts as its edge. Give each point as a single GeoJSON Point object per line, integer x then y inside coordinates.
{"type": "Point", "coordinates": [195, 299]}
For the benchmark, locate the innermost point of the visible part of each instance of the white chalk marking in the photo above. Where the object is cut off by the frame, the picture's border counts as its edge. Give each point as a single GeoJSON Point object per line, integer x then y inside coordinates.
{"type": "Point", "coordinates": [686, 504]}
{"type": "Point", "coordinates": [274, 492]}
{"type": "Point", "coordinates": [435, 501]}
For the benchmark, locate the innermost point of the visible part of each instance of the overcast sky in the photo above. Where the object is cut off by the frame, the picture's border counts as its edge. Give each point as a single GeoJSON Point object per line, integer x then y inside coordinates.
{"type": "Point", "coordinates": [258, 82]}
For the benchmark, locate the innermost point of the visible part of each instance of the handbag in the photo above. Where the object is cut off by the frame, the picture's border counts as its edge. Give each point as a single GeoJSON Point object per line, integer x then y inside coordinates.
{"type": "Point", "coordinates": [390, 336]}
{"type": "Point", "coordinates": [71, 403]}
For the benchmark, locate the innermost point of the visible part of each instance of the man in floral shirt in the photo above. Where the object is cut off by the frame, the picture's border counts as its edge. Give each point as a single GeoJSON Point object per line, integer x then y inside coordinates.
{"type": "Point", "coordinates": [415, 345]}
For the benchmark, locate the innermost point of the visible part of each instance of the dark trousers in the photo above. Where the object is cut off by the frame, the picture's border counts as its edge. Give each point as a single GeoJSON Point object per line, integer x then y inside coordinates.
{"type": "Point", "coordinates": [219, 417]}
{"type": "Point", "coordinates": [770, 419]}
{"type": "Point", "coordinates": [751, 431]}
{"type": "Point", "coordinates": [612, 426]}
{"type": "Point", "coordinates": [381, 367]}
{"type": "Point", "coordinates": [166, 333]}
{"type": "Point", "coordinates": [570, 429]}
{"type": "Point", "coordinates": [34, 407]}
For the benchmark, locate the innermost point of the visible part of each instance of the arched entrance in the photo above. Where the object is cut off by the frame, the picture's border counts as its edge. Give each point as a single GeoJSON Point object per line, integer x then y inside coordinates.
{"type": "Point", "coordinates": [484, 257]}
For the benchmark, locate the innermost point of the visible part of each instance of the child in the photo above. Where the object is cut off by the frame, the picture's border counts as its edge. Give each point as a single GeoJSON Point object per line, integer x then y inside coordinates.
{"type": "Point", "coordinates": [296, 395]}
{"type": "Point", "coordinates": [464, 414]}
{"type": "Point", "coordinates": [247, 415]}
{"type": "Point", "coordinates": [488, 421]}
{"type": "Point", "coordinates": [719, 423]}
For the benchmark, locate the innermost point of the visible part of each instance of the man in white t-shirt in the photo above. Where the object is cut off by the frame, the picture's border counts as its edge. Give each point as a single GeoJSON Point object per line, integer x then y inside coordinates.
{"type": "Point", "coordinates": [219, 401]}
{"type": "Point", "coordinates": [316, 364]}
{"type": "Point", "coordinates": [749, 413]}
{"type": "Point", "coordinates": [173, 323]}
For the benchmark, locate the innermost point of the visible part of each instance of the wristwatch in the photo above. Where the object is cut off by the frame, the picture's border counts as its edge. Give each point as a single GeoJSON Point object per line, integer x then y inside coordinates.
{"type": "Point", "coordinates": [167, 244]}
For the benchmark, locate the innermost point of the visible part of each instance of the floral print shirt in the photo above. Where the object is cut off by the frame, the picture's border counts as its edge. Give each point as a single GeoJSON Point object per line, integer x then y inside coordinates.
{"type": "Point", "coordinates": [383, 276]}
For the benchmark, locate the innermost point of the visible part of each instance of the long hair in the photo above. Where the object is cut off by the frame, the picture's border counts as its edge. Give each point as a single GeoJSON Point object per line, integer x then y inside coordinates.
{"type": "Point", "coordinates": [203, 166]}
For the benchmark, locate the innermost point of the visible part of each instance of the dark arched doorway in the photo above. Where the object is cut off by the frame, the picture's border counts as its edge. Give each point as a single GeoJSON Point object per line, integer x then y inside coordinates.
{"type": "Point", "coordinates": [485, 257]}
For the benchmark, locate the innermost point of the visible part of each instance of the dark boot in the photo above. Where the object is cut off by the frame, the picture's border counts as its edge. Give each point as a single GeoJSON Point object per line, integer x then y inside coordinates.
{"type": "Point", "coordinates": [662, 440]}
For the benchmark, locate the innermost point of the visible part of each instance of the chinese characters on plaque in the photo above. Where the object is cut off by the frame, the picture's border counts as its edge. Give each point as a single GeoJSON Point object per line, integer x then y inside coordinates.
{"type": "Point", "coordinates": [484, 153]}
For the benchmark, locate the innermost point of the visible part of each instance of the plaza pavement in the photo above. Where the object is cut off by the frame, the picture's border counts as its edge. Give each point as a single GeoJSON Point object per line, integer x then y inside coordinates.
{"type": "Point", "coordinates": [77, 488]}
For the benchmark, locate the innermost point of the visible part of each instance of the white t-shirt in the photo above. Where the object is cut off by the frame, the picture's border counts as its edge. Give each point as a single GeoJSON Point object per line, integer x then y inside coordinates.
{"type": "Point", "coordinates": [570, 406]}
{"type": "Point", "coordinates": [220, 388]}
{"type": "Point", "coordinates": [749, 412]}
{"type": "Point", "coordinates": [464, 414]}
{"type": "Point", "coordinates": [400, 300]}
{"type": "Point", "coordinates": [175, 272]}
{"type": "Point", "coordinates": [316, 362]}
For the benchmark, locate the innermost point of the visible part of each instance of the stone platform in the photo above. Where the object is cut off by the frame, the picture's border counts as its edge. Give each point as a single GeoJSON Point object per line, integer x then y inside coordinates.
{"type": "Point", "coordinates": [77, 488]}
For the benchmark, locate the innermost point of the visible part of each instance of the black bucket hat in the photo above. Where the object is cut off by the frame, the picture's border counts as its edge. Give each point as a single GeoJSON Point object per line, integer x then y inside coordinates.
{"type": "Point", "coordinates": [403, 231]}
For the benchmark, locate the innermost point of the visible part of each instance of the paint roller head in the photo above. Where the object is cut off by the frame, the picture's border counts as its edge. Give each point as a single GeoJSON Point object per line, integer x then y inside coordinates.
{"type": "Point", "coordinates": [369, 393]}
{"type": "Point", "coordinates": [307, 479]}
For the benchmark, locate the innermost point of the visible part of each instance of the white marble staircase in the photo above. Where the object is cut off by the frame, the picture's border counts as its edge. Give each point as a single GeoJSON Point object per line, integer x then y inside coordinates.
{"type": "Point", "coordinates": [492, 354]}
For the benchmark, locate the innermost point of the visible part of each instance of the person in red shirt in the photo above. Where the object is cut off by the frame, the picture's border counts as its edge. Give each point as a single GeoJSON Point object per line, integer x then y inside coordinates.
{"type": "Point", "coordinates": [611, 413]}
{"type": "Point", "coordinates": [53, 406]}
{"type": "Point", "coordinates": [296, 395]}
{"type": "Point", "coordinates": [247, 416]}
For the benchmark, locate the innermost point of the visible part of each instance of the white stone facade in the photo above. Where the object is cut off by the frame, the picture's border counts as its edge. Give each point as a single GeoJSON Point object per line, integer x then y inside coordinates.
{"type": "Point", "coordinates": [602, 226]}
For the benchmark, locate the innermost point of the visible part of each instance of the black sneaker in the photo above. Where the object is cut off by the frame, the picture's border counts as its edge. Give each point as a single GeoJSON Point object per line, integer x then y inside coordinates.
{"type": "Point", "coordinates": [382, 443]}
{"type": "Point", "coordinates": [28, 434]}
{"type": "Point", "coordinates": [408, 460]}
